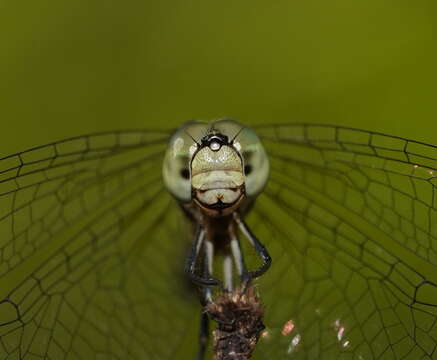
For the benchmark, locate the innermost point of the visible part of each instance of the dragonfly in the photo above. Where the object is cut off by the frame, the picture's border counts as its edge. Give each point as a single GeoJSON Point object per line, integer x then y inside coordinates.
{"type": "Point", "coordinates": [335, 227]}
{"type": "Point", "coordinates": [216, 171]}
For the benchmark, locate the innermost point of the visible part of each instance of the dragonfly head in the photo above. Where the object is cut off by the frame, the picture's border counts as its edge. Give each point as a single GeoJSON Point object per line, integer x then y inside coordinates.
{"type": "Point", "coordinates": [216, 165]}
{"type": "Point", "coordinates": [217, 175]}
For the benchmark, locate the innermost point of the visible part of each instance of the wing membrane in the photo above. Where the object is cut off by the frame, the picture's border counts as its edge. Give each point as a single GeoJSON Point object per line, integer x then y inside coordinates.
{"type": "Point", "coordinates": [388, 180]}
{"type": "Point", "coordinates": [355, 244]}
{"type": "Point", "coordinates": [45, 189]}
{"type": "Point", "coordinates": [96, 282]}
{"type": "Point", "coordinates": [88, 234]}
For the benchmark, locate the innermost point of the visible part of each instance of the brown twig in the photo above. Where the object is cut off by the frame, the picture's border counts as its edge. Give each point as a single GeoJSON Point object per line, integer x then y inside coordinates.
{"type": "Point", "coordinates": [239, 324]}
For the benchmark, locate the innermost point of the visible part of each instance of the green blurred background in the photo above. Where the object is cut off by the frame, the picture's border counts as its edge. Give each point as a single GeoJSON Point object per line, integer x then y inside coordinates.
{"type": "Point", "coordinates": [72, 67]}
{"type": "Point", "coordinates": [79, 66]}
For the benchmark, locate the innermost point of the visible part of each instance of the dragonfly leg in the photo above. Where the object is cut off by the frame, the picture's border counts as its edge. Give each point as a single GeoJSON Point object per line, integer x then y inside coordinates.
{"type": "Point", "coordinates": [205, 299]}
{"type": "Point", "coordinates": [190, 267]}
{"type": "Point", "coordinates": [203, 335]}
{"type": "Point", "coordinates": [259, 248]}
{"type": "Point", "coordinates": [239, 259]}
{"type": "Point", "coordinates": [228, 273]}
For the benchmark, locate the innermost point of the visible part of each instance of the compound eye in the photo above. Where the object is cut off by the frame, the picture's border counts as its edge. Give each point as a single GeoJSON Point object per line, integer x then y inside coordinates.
{"type": "Point", "coordinates": [185, 173]}
{"type": "Point", "coordinates": [176, 167]}
{"type": "Point", "coordinates": [247, 169]}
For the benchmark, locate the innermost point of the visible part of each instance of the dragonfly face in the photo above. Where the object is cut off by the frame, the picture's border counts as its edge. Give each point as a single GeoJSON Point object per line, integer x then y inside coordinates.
{"type": "Point", "coordinates": [216, 165]}
{"type": "Point", "coordinates": [217, 177]}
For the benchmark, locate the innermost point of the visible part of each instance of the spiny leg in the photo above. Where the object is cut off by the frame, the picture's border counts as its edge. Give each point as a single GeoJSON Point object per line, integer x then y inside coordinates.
{"type": "Point", "coordinates": [239, 259]}
{"type": "Point", "coordinates": [257, 245]}
{"type": "Point", "coordinates": [238, 255]}
{"type": "Point", "coordinates": [190, 267]}
{"type": "Point", "coordinates": [203, 335]}
{"type": "Point", "coordinates": [205, 299]}
{"type": "Point", "coordinates": [208, 268]}
{"type": "Point", "coordinates": [227, 273]}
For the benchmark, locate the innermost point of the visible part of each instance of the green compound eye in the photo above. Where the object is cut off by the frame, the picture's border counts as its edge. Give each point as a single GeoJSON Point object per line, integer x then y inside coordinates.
{"type": "Point", "coordinates": [185, 173]}
{"type": "Point", "coordinates": [243, 153]}
{"type": "Point", "coordinates": [247, 169]}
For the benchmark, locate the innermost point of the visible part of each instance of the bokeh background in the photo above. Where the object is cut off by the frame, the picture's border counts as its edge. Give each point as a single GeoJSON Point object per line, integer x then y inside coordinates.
{"type": "Point", "coordinates": [72, 67]}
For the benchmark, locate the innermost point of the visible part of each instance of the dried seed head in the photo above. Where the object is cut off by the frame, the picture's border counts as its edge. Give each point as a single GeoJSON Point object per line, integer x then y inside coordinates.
{"type": "Point", "coordinates": [239, 324]}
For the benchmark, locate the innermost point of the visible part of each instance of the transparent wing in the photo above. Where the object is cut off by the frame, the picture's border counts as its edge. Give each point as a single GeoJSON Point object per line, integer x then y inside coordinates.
{"type": "Point", "coordinates": [350, 219]}
{"type": "Point", "coordinates": [88, 269]}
